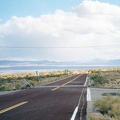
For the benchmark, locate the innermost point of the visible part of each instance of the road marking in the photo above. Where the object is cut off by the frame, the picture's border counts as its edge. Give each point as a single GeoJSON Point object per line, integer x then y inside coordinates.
{"type": "Point", "coordinates": [74, 114]}
{"type": "Point", "coordinates": [86, 81]}
{"type": "Point", "coordinates": [12, 107]}
{"type": "Point", "coordinates": [65, 83]}
{"type": "Point", "coordinates": [76, 109]}
{"type": "Point", "coordinates": [59, 80]}
{"type": "Point", "coordinates": [88, 95]}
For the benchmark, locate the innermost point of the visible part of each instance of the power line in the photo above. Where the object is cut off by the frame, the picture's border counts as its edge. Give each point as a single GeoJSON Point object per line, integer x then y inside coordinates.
{"type": "Point", "coordinates": [55, 47]}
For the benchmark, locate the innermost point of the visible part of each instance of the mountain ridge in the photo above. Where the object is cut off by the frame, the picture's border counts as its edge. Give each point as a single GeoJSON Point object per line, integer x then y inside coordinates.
{"type": "Point", "coordinates": [47, 62]}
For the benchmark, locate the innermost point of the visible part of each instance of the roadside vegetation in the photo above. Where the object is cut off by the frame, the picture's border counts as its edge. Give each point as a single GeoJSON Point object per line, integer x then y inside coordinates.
{"type": "Point", "coordinates": [109, 78]}
{"type": "Point", "coordinates": [107, 108]}
{"type": "Point", "coordinates": [26, 80]}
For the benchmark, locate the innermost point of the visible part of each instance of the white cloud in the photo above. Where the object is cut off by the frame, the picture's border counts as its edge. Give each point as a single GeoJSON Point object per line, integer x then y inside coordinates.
{"type": "Point", "coordinates": [88, 24]}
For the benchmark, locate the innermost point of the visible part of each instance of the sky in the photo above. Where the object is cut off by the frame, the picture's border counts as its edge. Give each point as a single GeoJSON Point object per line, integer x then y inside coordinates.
{"type": "Point", "coordinates": [59, 30]}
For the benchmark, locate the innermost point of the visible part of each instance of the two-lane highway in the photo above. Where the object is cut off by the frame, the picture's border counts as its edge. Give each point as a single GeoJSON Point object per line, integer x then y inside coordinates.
{"type": "Point", "coordinates": [56, 101]}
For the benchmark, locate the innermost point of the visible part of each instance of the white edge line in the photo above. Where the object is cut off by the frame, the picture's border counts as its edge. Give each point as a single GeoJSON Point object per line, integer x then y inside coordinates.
{"type": "Point", "coordinates": [88, 95]}
{"type": "Point", "coordinates": [74, 114]}
{"type": "Point", "coordinates": [86, 81]}
{"type": "Point", "coordinates": [76, 109]}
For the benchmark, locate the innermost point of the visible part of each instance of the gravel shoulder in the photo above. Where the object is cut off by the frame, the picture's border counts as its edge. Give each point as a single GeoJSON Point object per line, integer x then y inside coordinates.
{"type": "Point", "coordinates": [8, 92]}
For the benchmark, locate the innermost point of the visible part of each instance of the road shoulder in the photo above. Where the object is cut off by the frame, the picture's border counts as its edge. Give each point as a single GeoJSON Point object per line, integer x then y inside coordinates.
{"type": "Point", "coordinates": [97, 93]}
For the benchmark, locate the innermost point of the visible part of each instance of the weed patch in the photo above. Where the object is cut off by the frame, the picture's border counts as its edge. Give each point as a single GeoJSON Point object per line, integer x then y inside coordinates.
{"type": "Point", "coordinates": [108, 107]}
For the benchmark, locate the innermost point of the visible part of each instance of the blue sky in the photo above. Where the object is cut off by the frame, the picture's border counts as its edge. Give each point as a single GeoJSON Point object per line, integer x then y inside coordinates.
{"type": "Point", "coordinates": [35, 8]}
{"type": "Point", "coordinates": [76, 27]}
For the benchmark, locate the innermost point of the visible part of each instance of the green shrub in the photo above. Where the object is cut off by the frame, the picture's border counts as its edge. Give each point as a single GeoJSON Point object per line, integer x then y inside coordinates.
{"type": "Point", "coordinates": [30, 77]}
{"type": "Point", "coordinates": [2, 87]}
{"type": "Point", "coordinates": [118, 92]}
{"type": "Point", "coordinates": [98, 80]}
{"type": "Point", "coordinates": [1, 80]}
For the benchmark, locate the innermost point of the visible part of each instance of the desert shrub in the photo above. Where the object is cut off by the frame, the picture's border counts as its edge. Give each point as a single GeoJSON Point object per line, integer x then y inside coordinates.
{"type": "Point", "coordinates": [19, 78]}
{"type": "Point", "coordinates": [108, 105]}
{"type": "Point", "coordinates": [116, 118]}
{"type": "Point", "coordinates": [9, 86]}
{"type": "Point", "coordinates": [18, 85]}
{"type": "Point", "coordinates": [32, 83]}
{"type": "Point", "coordinates": [102, 105]}
{"type": "Point", "coordinates": [115, 112]}
{"type": "Point", "coordinates": [98, 80]}
{"type": "Point", "coordinates": [16, 81]}
{"type": "Point", "coordinates": [97, 116]}
{"type": "Point", "coordinates": [30, 77]}
{"type": "Point", "coordinates": [8, 79]}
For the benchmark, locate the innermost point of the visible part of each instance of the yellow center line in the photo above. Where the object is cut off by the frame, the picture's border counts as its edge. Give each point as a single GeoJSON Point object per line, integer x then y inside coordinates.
{"type": "Point", "coordinates": [65, 83]}
{"type": "Point", "coordinates": [12, 107]}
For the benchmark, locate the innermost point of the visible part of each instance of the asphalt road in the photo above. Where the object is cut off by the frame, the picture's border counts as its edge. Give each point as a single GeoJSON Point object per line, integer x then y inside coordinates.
{"type": "Point", "coordinates": [56, 101]}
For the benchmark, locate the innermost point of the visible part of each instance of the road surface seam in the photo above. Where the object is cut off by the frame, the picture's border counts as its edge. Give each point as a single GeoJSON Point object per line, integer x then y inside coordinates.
{"type": "Point", "coordinates": [65, 86]}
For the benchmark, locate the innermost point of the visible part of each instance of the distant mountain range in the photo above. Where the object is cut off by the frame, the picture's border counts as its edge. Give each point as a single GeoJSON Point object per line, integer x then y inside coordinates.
{"type": "Point", "coordinates": [46, 62]}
